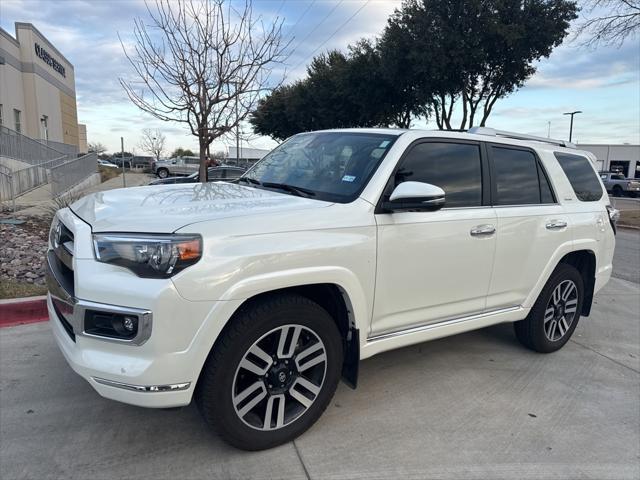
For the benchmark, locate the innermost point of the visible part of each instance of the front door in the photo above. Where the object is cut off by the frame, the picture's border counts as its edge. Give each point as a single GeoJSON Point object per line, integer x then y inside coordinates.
{"type": "Point", "coordinates": [436, 266]}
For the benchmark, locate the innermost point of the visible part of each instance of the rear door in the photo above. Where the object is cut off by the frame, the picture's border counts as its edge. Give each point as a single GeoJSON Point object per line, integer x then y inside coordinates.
{"type": "Point", "coordinates": [531, 224]}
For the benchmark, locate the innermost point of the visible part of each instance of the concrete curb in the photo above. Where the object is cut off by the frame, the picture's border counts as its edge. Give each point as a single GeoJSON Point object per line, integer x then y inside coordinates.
{"type": "Point", "coordinates": [628, 227]}
{"type": "Point", "coordinates": [20, 311]}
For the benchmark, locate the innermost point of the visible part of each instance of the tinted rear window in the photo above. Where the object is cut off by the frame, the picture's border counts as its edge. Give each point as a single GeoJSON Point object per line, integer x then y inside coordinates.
{"type": "Point", "coordinates": [581, 175]}
{"type": "Point", "coordinates": [516, 173]}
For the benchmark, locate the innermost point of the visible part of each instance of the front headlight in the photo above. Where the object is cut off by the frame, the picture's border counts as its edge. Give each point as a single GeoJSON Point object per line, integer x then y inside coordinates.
{"type": "Point", "coordinates": [149, 256]}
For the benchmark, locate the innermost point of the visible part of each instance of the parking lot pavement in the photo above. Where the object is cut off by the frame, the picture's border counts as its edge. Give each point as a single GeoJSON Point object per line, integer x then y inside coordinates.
{"type": "Point", "coordinates": [626, 261]}
{"type": "Point", "coordinates": [476, 405]}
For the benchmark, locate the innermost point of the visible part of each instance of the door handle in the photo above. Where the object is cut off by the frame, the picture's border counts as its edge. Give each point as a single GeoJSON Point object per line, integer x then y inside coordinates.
{"type": "Point", "coordinates": [556, 225]}
{"type": "Point", "coordinates": [483, 230]}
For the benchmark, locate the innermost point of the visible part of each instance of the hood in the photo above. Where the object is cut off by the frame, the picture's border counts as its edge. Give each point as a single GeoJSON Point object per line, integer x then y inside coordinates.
{"type": "Point", "coordinates": [166, 208]}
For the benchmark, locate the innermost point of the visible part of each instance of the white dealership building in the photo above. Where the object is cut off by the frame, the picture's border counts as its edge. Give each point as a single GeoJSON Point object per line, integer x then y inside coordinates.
{"type": "Point", "coordinates": [37, 89]}
{"type": "Point", "coordinates": [623, 158]}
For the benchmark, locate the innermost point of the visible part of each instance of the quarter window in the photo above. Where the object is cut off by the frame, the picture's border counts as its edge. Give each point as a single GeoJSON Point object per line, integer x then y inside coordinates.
{"type": "Point", "coordinates": [519, 178]}
{"type": "Point", "coordinates": [581, 175]}
{"type": "Point", "coordinates": [454, 167]}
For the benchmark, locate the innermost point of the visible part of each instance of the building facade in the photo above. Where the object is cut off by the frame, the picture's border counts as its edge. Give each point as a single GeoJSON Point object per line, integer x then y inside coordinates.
{"type": "Point", "coordinates": [37, 88]}
{"type": "Point", "coordinates": [616, 158]}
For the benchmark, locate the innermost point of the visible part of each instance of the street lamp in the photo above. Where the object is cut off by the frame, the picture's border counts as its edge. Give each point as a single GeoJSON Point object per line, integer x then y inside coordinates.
{"type": "Point", "coordinates": [571, 127]}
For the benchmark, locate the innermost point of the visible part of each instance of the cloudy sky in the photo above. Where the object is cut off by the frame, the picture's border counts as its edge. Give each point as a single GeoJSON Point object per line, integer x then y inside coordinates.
{"type": "Point", "coordinates": [603, 83]}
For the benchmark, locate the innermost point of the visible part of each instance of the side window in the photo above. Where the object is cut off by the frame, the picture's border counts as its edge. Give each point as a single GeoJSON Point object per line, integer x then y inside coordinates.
{"type": "Point", "coordinates": [516, 177]}
{"type": "Point", "coordinates": [546, 194]}
{"type": "Point", "coordinates": [454, 167]}
{"type": "Point", "coordinates": [580, 173]}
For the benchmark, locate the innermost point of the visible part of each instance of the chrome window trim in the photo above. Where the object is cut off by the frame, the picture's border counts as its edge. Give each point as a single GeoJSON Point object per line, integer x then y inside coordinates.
{"type": "Point", "coordinates": [173, 387]}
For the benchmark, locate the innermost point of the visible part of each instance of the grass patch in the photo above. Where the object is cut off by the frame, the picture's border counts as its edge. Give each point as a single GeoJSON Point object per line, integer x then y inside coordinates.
{"type": "Point", "coordinates": [15, 289]}
{"type": "Point", "coordinates": [107, 173]}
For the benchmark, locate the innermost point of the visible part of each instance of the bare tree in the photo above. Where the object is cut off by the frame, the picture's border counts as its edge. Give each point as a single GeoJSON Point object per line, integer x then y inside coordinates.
{"type": "Point", "coordinates": [96, 147]}
{"type": "Point", "coordinates": [609, 22]}
{"type": "Point", "coordinates": [153, 142]}
{"type": "Point", "coordinates": [203, 63]}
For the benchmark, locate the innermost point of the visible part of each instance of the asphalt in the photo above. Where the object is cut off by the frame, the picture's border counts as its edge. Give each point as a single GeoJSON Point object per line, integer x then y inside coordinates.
{"type": "Point", "coordinates": [476, 405]}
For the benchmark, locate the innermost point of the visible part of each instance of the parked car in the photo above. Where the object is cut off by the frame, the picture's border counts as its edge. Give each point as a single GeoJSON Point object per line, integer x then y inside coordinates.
{"type": "Point", "coordinates": [177, 166]}
{"type": "Point", "coordinates": [225, 173]}
{"type": "Point", "coordinates": [619, 185]}
{"type": "Point", "coordinates": [254, 298]}
{"type": "Point", "coordinates": [137, 161]}
{"type": "Point", "coordinates": [106, 163]}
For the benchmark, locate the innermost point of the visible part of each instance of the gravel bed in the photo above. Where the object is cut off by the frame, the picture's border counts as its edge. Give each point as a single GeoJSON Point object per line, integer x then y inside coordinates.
{"type": "Point", "coordinates": [23, 249]}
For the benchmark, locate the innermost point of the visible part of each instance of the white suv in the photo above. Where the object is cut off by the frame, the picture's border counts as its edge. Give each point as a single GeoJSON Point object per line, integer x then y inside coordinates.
{"type": "Point", "coordinates": [255, 298]}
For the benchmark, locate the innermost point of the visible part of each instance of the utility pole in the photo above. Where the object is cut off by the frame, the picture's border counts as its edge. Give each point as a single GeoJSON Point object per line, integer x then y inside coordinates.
{"type": "Point", "coordinates": [549, 129]}
{"type": "Point", "coordinates": [124, 181]}
{"type": "Point", "coordinates": [571, 125]}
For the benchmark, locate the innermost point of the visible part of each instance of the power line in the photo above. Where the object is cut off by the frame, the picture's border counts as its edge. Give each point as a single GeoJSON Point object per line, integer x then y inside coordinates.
{"type": "Point", "coordinates": [333, 34]}
{"type": "Point", "coordinates": [300, 18]}
{"type": "Point", "coordinates": [314, 29]}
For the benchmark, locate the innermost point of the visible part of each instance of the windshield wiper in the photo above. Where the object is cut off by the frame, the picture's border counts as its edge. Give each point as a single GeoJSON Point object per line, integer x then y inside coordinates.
{"type": "Point", "coordinates": [249, 180]}
{"type": "Point", "coordinates": [299, 191]}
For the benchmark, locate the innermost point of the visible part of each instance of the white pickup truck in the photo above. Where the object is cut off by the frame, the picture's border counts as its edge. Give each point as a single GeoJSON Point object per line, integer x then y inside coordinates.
{"type": "Point", "coordinates": [255, 298]}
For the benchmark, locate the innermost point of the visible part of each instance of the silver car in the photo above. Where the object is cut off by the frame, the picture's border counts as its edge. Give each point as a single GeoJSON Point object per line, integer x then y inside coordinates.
{"type": "Point", "coordinates": [176, 166]}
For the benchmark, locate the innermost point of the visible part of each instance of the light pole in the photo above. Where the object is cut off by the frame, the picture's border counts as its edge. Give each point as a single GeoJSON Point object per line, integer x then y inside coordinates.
{"type": "Point", "coordinates": [571, 126]}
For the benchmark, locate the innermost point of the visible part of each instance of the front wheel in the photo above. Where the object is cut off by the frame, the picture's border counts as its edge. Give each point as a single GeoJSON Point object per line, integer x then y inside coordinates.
{"type": "Point", "coordinates": [272, 372]}
{"type": "Point", "coordinates": [555, 314]}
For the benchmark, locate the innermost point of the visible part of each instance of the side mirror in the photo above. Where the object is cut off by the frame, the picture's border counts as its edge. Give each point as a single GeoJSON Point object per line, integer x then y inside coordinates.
{"type": "Point", "coordinates": [415, 196]}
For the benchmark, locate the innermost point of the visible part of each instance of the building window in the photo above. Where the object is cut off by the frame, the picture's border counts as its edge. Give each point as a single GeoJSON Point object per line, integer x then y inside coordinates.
{"type": "Point", "coordinates": [16, 118]}
{"type": "Point", "coordinates": [45, 127]}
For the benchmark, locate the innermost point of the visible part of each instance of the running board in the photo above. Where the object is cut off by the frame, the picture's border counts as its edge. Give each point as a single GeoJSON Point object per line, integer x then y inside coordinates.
{"type": "Point", "coordinates": [422, 333]}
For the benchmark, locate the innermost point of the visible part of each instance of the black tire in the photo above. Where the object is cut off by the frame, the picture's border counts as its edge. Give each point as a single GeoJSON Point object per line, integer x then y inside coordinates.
{"type": "Point", "coordinates": [215, 390]}
{"type": "Point", "coordinates": [531, 331]}
{"type": "Point", "coordinates": [617, 191]}
{"type": "Point", "coordinates": [162, 172]}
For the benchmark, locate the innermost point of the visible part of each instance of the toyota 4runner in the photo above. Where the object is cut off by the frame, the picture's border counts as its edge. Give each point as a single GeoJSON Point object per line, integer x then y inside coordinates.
{"type": "Point", "coordinates": [256, 298]}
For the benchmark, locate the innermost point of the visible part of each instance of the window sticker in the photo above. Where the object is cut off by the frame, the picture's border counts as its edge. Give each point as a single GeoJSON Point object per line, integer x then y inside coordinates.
{"type": "Point", "coordinates": [348, 178]}
{"type": "Point", "coordinates": [384, 144]}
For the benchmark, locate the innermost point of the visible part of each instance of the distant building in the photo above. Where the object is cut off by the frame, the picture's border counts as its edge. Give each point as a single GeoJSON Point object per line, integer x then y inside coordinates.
{"type": "Point", "coordinates": [83, 146]}
{"type": "Point", "coordinates": [248, 156]}
{"type": "Point", "coordinates": [37, 89]}
{"type": "Point", "coordinates": [616, 158]}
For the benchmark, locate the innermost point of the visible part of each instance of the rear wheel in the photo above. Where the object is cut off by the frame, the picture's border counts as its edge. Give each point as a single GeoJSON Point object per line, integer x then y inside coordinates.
{"type": "Point", "coordinates": [555, 314]}
{"type": "Point", "coordinates": [272, 372]}
{"type": "Point", "coordinates": [163, 172]}
{"type": "Point", "coordinates": [617, 191]}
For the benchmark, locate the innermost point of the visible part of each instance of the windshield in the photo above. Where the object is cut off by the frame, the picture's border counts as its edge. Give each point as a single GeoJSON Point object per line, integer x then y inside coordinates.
{"type": "Point", "coordinates": [331, 166]}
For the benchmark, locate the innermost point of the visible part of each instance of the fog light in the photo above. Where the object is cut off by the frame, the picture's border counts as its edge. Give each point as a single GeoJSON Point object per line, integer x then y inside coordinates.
{"type": "Point", "coordinates": [129, 324]}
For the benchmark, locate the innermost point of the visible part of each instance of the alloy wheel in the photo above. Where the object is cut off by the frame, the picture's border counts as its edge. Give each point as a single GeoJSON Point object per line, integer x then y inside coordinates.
{"type": "Point", "coordinates": [279, 377]}
{"type": "Point", "coordinates": [561, 310]}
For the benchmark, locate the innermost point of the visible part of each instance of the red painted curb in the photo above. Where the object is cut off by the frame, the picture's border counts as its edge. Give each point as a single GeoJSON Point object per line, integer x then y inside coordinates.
{"type": "Point", "coordinates": [19, 313]}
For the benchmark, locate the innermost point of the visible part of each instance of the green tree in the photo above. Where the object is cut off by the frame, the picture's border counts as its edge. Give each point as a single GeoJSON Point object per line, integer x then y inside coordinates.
{"type": "Point", "coordinates": [472, 52]}
{"type": "Point", "coordinates": [182, 152]}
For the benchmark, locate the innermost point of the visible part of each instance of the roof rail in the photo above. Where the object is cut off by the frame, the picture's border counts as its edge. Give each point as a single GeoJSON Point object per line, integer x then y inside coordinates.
{"type": "Point", "coordinates": [518, 136]}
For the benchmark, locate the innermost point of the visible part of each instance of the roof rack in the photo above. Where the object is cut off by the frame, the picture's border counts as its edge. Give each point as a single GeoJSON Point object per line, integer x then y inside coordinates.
{"type": "Point", "coordinates": [518, 136]}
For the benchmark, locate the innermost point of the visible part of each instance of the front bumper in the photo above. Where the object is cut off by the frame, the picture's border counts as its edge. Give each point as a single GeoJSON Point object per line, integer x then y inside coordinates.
{"type": "Point", "coordinates": [160, 366]}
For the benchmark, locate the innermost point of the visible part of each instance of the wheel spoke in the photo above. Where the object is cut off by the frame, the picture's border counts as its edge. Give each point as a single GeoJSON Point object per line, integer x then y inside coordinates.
{"type": "Point", "coordinates": [548, 314]}
{"type": "Point", "coordinates": [282, 343]}
{"type": "Point", "coordinates": [256, 390]}
{"type": "Point", "coordinates": [299, 394]}
{"type": "Point", "coordinates": [562, 326]}
{"type": "Point", "coordinates": [315, 360]}
{"type": "Point", "coordinates": [552, 332]}
{"type": "Point", "coordinates": [268, 416]}
{"type": "Point", "coordinates": [568, 291]}
{"type": "Point", "coordinates": [556, 295]}
{"type": "Point", "coordinates": [250, 365]}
